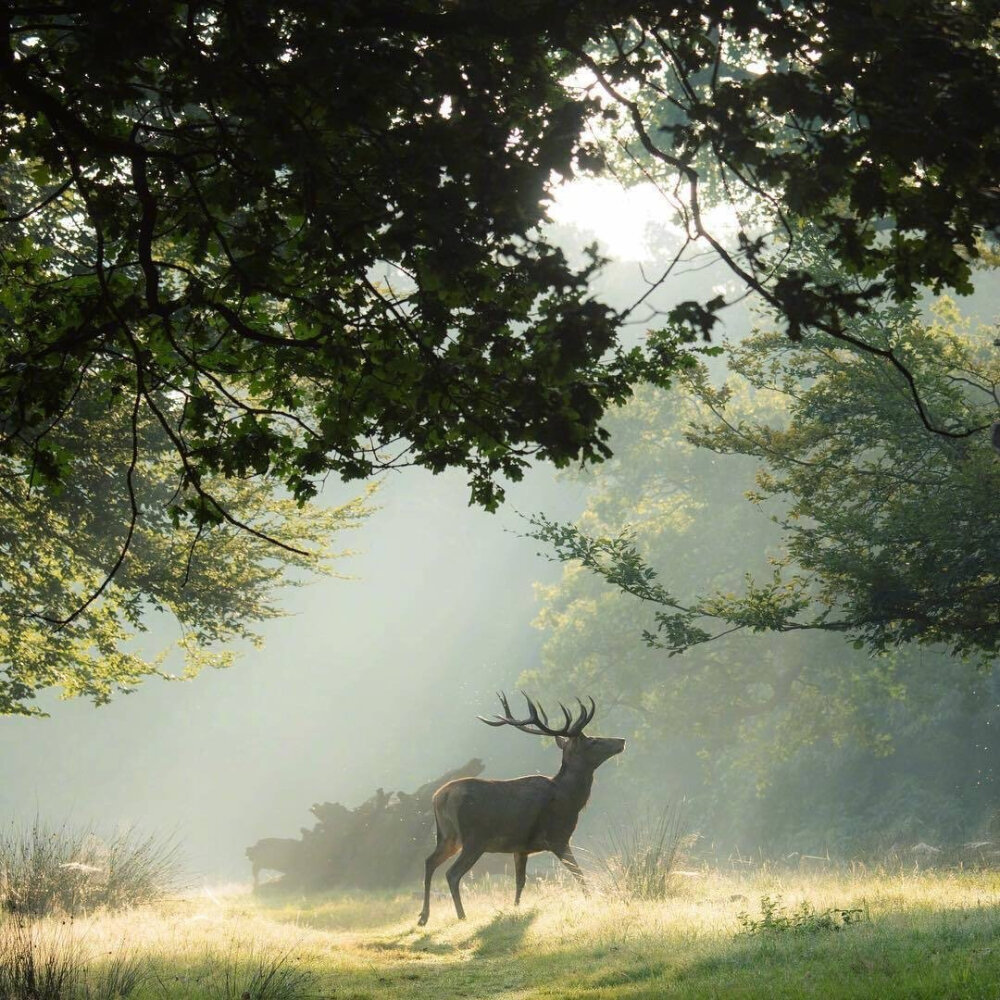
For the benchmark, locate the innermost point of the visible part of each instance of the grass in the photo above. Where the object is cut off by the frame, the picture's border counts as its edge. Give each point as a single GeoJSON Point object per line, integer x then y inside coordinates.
{"type": "Point", "coordinates": [65, 870]}
{"type": "Point", "coordinates": [774, 934]}
{"type": "Point", "coordinates": [640, 857]}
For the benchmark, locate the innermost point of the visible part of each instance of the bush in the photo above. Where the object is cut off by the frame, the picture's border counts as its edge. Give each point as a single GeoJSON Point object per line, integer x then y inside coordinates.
{"type": "Point", "coordinates": [65, 870]}
{"type": "Point", "coordinates": [44, 960]}
{"type": "Point", "coordinates": [641, 855]}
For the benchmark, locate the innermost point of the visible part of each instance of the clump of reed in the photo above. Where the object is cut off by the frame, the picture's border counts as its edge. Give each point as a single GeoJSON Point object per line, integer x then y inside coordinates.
{"type": "Point", "coordinates": [69, 870]}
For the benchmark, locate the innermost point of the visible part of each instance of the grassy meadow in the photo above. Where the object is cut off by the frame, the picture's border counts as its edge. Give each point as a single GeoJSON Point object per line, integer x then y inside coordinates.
{"type": "Point", "coordinates": [767, 934]}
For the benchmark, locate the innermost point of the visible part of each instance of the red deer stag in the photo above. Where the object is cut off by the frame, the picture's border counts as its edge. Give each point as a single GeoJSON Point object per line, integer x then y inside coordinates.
{"type": "Point", "coordinates": [520, 816]}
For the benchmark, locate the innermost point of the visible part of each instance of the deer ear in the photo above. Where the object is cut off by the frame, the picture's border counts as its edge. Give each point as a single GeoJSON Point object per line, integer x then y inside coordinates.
{"type": "Point", "coordinates": [561, 742]}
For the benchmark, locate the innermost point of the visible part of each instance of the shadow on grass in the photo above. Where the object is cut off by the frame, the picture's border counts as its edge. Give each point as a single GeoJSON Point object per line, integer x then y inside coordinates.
{"type": "Point", "coordinates": [405, 943]}
{"type": "Point", "coordinates": [503, 934]}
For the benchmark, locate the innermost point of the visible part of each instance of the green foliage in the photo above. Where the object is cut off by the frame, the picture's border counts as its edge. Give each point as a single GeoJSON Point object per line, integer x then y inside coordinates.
{"type": "Point", "coordinates": [892, 533]}
{"type": "Point", "coordinates": [318, 230]}
{"type": "Point", "coordinates": [682, 507]}
{"type": "Point", "coordinates": [255, 244]}
{"type": "Point", "coordinates": [91, 566]}
{"type": "Point", "coordinates": [804, 919]}
{"type": "Point", "coordinates": [780, 732]}
{"type": "Point", "coordinates": [799, 115]}
{"type": "Point", "coordinates": [65, 870]}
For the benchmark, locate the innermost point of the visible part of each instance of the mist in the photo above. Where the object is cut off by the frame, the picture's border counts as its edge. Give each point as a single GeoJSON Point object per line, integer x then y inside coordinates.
{"type": "Point", "coordinates": [371, 681]}
{"type": "Point", "coordinates": [375, 680]}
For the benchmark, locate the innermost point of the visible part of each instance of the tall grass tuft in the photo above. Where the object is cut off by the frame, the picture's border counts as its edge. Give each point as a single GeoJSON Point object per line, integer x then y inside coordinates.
{"type": "Point", "coordinates": [641, 855]}
{"type": "Point", "coordinates": [116, 978]}
{"type": "Point", "coordinates": [249, 971]}
{"type": "Point", "coordinates": [37, 962]}
{"type": "Point", "coordinates": [66, 870]}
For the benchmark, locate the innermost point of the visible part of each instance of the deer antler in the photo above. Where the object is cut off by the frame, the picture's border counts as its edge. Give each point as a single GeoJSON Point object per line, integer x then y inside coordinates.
{"type": "Point", "coordinates": [537, 723]}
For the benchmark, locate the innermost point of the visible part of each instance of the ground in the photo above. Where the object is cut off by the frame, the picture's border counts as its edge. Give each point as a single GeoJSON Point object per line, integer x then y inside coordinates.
{"type": "Point", "coordinates": [909, 934]}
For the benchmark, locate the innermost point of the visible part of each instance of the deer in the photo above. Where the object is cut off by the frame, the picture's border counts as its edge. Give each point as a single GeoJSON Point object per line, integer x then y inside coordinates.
{"type": "Point", "coordinates": [518, 816]}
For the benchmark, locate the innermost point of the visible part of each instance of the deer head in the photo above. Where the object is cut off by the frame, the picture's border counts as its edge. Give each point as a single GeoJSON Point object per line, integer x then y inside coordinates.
{"type": "Point", "coordinates": [577, 748]}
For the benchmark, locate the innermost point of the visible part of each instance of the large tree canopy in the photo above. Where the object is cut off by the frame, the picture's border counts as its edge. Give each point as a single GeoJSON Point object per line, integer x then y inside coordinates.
{"type": "Point", "coordinates": [305, 238]}
{"type": "Point", "coordinates": [318, 224]}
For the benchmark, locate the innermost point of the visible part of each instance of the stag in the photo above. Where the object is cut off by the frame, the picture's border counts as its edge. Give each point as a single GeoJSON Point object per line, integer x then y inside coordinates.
{"type": "Point", "coordinates": [519, 816]}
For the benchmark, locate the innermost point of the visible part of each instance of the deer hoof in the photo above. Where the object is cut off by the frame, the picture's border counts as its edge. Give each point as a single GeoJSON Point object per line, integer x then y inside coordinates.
{"type": "Point", "coordinates": [422, 919]}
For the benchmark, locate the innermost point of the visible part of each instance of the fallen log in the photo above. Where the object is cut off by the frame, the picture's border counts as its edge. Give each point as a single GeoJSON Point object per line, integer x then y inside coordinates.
{"type": "Point", "coordinates": [380, 844]}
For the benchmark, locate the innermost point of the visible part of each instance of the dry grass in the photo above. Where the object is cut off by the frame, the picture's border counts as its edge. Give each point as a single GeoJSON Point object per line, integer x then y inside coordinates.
{"type": "Point", "coordinates": [923, 935]}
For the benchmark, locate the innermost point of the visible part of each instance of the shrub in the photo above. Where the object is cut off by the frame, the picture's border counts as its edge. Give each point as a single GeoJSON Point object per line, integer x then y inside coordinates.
{"type": "Point", "coordinates": [67, 870]}
{"type": "Point", "coordinates": [251, 971]}
{"type": "Point", "coordinates": [116, 977]}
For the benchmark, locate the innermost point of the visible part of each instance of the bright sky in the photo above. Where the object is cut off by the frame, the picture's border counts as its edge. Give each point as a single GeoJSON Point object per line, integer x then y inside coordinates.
{"type": "Point", "coordinates": [623, 220]}
{"type": "Point", "coordinates": [632, 224]}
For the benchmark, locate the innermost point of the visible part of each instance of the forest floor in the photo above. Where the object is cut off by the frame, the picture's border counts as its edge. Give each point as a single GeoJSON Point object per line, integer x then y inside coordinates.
{"type": "Point", "coordinates": [766, 935]}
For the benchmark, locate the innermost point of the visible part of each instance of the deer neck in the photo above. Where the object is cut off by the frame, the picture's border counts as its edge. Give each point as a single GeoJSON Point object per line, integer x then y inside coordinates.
{"type": "Point", "coordinates": [574, 782]}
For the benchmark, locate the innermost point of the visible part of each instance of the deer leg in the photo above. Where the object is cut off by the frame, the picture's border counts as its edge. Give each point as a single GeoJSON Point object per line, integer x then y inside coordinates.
{"type": "Point", "coordinates": [520, 867]}
{"type": "Point", "coordinates": [469, 856]}
{"type": "Point", "coordinates": [442, 851]}
{"type": "Point", "coordinates": [566, 857]}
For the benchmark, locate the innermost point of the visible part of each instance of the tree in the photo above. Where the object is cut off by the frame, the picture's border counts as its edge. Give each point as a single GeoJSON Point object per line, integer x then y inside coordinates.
{"type": "Point", "coordinates": [319, 226]}
{"type": "Point", "coordinates": [792, 741]}
{"type": "Point", "coordinates": [682, 507]}
{"type": "Point", "coordinates": [897, 531]}
{"type": "Point", "coordinates": [316, 226]}
{"type": "Point", "coordinates": [305, 238]}
{"type": "Point", "coordinates": [892, 533]}
{"type": "Point", "coordinates": [795, 113]}
{"type": "Point", "coordinates": [67, 622]}
{"type": "Point", "coordinates": [243, 246]}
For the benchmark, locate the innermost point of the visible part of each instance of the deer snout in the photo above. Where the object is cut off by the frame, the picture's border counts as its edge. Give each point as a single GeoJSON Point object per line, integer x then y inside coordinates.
{"type": "Point", "coordinates": [606, 746]}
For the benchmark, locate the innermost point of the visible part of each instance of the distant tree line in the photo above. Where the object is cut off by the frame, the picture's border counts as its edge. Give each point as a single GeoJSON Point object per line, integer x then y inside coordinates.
{"type": "Point", "coordinates": [720, 626]}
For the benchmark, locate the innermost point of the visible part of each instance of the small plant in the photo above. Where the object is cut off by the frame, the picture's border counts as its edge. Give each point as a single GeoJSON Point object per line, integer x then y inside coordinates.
{"type": "Point", "coordinates": [45, 870]}
{"type": "Point", "coordinates": [642, 854]}
{"type": "Point", "coordinates": [804, 919]}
